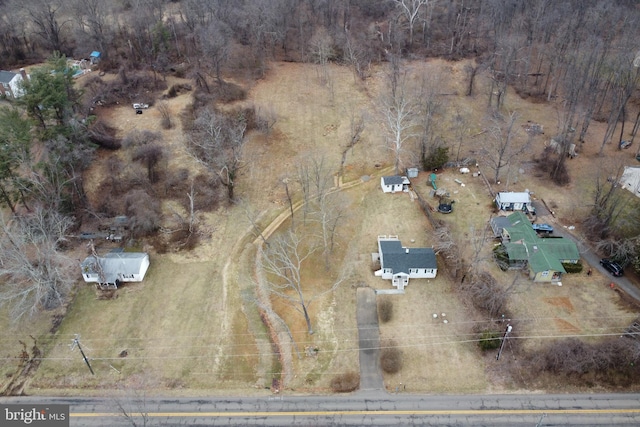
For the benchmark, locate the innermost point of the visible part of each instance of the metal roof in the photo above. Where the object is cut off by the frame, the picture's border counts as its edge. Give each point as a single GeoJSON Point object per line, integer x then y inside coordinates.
{"type": "Point", "coordinates": [542, 253]}
{"type": "Point", "coordinates": [113, 264]}
{"type": "Point", "coordinates": [512, 197]}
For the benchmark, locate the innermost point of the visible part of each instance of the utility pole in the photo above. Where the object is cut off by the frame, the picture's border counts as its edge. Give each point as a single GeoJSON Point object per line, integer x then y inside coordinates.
{"type": "Point", "coordinates": [76, 342]}
{"type": "Point", "coordinates": [504, 339]}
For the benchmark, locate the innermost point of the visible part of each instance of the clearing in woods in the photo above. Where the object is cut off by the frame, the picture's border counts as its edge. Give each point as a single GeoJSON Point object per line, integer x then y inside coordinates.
{"type": "Point", "coordinates": [192, 325]}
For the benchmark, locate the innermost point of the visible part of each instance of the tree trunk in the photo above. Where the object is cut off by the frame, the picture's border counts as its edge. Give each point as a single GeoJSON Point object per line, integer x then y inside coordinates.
{"type": "Point", "coordinates": [307, 319]}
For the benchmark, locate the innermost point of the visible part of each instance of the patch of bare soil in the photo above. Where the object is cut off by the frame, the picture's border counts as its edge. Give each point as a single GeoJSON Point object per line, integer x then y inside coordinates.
{"type": "Point", "coordinates": [565, 327]}
{"type": "Point", "coordinates": [560, 302]}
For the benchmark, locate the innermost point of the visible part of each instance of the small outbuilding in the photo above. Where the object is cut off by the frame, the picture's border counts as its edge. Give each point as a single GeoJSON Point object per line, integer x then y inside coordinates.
{"type": "Point", "coordinates": [94, 57]}
{"type": "Point", "coordinates": [513, 201]}
{"type": "Point", "coordinates": [393, 184]}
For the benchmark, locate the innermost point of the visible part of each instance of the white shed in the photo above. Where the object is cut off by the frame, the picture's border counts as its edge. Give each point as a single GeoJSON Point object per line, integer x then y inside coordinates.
{"type": "Point", "coordinates": [393, 184]}
{"type": "Point", "coordinates": [512, 201]}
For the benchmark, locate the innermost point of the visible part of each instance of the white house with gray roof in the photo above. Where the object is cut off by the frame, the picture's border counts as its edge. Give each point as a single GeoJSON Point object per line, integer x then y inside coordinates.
{"type": "Point", "coordinates": [114, 268]}
{"type": "Point", "coordinates": [393, 184]}
{"type": "Point", "coordinates": [399, 264]}
{"type": "Point", "coordinates": [11, 83]}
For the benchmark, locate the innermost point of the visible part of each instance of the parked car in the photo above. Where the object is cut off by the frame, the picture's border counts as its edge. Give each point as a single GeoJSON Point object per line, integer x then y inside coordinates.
{"type": "Point", "coordinates": [542, 228]}
{"type": "Point", "coordinates": [140, 106]}
{"type": "Point", "coordinates": [611, 266]}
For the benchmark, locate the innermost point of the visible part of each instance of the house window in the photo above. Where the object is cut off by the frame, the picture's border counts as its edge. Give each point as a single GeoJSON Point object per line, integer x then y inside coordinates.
{"type": "Point", "coordinates": [388, 270]}
{"type": "Point", "coordinates": [413, 270]}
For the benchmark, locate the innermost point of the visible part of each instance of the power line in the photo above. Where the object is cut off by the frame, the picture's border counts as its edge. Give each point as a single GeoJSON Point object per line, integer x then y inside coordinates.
{"type": "Point", "coordinates": [412, 326]}
{"type": "Point", "coordinates": [351, 349]}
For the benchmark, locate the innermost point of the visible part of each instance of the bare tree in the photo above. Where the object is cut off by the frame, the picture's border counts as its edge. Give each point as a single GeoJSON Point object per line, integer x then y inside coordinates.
{"type": "Point", "coordinates": [283, 260]}
{"type": "Point", "coordinates": [149, 155]}
{"type": "Point", "coordinates": [460, 129]}
{"type": "Point", "coordinates": [321, 46]}
{"type": "Point", "coordinates": [94, 26]}
{"type": "Point", "coordinates": [214, 39]}
{"type": "Point", "coordinates": [165, 113]}
{"type": "Point", "coordinates": [333, 209]}
{"type": "Point", "coordinates": [500, 150]}
{"type": "Point", "coordinates": [357, 55]}
{"type": "Point", "coordinates": [606, 199]}
{"type": "Point", "coordinates": [356, 126]}
{"type": "Point", "coordinates": [253, 218]}
{"type": "Point", "coordinates": [430, 105]}
{"type": "Point", "coordinates": [35, 274]}
{"type": "Point", "coordinates": [410, 10]}
{"type": "Point", "coordinates": [144, 212]}
{"type": "Point", "coordinates": [446, 246]}
{"type": "Point", "coordinates": [47, 24]}
{"type": "Point", "coordinates": [625, 81]}
{"type": "Point", "coordinates": [399, 111]}
{"type": "Point", "coordinates": [486, 293]}
{"type": "Point", "coordinates": [314, 179]}
{"type": "Point", "coordinates": [217, 142]}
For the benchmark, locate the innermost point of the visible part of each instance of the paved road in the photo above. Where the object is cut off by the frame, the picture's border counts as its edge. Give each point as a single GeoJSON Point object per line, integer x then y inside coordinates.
{"type": "Point", "coordinates": [369, 339]}
{"type": "Point", "coordinates": [362, 408]}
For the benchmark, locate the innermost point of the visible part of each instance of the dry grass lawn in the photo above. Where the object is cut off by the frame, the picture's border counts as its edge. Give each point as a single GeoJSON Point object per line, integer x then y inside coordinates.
{"type": "Point", "coordinates": [192, 324]}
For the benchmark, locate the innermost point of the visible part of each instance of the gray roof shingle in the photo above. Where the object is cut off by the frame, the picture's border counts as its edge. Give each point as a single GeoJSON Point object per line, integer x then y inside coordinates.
{"type": "Point", "coordinates": [400, 259]}
{"type": "Point", "coordinates": [6, 76]}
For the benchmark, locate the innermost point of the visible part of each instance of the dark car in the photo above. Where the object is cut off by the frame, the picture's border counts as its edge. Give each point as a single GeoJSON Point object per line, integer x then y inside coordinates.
{"type": "Point", "coordinates": [613, 267]}
{"type": "Point", "coordinates": [542, 228]}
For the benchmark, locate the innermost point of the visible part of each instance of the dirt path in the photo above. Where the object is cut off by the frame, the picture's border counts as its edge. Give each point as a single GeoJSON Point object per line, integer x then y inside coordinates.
{"type": "Point", "coordinates": [283, 345]}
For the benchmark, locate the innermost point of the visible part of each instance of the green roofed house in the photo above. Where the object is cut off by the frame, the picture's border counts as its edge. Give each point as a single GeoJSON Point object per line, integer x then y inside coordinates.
{"type": "Point", "coordinates": [543, 256]}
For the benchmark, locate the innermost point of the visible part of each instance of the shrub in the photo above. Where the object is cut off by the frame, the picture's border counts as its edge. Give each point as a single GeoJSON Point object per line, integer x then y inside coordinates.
{"type": "Point", "coordinates": [501, 257]}
{"type": "Point", "coordinates": [144, 211]}
{"type": "Point", "coordinates": [489, 340]}
{"type": "Point", "coordinates": [436, 158]}
{"type": "Point", "coordinates": [572, 268]}
{"type": "Point", "coordinates": [183, 240]}
{"type": "Point", "coordinates": [385, 310]}
{"type": "Point", "coordinates": [390, 357]}
{"type": "Point", "coordinates": [346, 382]}
{"type": "Point", "coordinates": [485, 293]}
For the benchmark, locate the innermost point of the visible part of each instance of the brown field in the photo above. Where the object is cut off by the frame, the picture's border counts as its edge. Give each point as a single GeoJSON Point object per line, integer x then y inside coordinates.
{"type": "Point", "coordinates": [192, 325]}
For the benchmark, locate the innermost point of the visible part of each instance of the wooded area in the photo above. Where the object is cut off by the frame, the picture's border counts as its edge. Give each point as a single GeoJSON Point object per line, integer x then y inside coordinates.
{"type": "Point", "coordinates": [582, 55]}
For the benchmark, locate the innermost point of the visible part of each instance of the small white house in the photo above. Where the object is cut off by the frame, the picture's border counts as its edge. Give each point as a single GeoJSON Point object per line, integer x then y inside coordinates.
{"type": "Point", "coordinates": [393, 184]}
{"type": "Point", "coordinates": [114, 268]}
{"type": "Point", "coordinates": [399, 264]}
{"type": "Point", "coordinates": [512, 201]}
{"type": "Point", "coordinates": [11, 83]}
{"type": "Point", "coordinates": [631, 180]}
